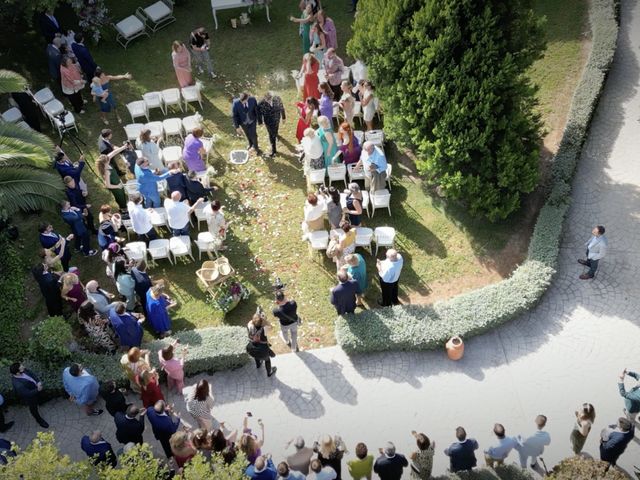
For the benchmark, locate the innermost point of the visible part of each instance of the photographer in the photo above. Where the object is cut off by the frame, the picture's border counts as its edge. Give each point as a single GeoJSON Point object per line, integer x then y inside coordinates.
{"type": "Point", "coordinates": [286, 313]}
{"type": "Point", "coordinates": [200, 44]}
{"type": "Point", "coordinates": [66, 168]}
{"type": "Point", "coordinates": [258, 346]}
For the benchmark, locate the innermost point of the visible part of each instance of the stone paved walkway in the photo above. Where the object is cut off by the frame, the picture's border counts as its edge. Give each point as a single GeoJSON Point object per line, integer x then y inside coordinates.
{"type": "Point", "coordinates": [569, 350]}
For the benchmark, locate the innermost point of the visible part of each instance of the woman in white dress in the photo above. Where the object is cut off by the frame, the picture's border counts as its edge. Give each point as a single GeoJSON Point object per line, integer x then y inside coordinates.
{"type": "Point", "coordinates": [150, 149]}
{"type": "Point", "coordinates": [347, 102]}
{"type": "Point", "coordinates": [368, 104]}
{"type": "Point", "coordinates": [216, 223]}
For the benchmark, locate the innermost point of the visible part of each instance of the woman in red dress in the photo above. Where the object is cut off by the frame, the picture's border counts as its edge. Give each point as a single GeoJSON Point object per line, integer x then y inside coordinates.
{"type": "Point", "coordinates": [305, 111]}
{"type": "Point", "coordinates": [150, 391]}
{"type": "Point", "coordinates": [310, 68]}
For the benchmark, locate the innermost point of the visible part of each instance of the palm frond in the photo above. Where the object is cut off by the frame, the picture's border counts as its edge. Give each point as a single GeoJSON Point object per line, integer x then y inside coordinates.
{"type": "Point", "coordinates": [19, 153]}
{"type": "Point", "coordinates": [11, 82]}
{"type": "Point", "coordinates": [28, 189]}
{"type": "Point", "coordinates": [14, 130]}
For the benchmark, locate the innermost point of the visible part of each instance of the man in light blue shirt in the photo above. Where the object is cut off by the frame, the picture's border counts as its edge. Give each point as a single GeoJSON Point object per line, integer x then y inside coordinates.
{"type": "Point", "coordinates": [375, 165]}
{"type": "Point", "coordinates": [596, 249]}
{"type": "Point", "coordinates": [389, 274]}
{"type": "Point", "coordinates": [496, 454]}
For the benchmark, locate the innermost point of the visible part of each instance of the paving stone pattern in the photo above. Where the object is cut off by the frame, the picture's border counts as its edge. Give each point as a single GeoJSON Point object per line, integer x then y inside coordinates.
{"type": "Point", "coordinates": [566, 351]}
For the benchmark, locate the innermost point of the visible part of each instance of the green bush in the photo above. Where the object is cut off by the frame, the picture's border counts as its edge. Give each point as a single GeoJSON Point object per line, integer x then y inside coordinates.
{"type": "Point", "coordinates": [505, 472]}
{"type": "Point", "coordinates": [12, 294]}
{"type": "Point", "coordinates": [418, 327]}
{"type": "Point", "coordinates": [579, 467]}
{"type": "Point", "coordinates": [50, 340]}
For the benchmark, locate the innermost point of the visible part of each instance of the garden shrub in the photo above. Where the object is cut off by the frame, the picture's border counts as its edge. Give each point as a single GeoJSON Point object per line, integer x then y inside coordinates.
{"type": "Point", "coordinates": [419, 327]}
{"type": "Point", "coordinates": [579, 467]}
{"type": "Point", "coordinates": [504, 472]}
{"type": "Point", "coordinates": [50, 340]}
{"type": "Point", "coordinates": [12, 295]}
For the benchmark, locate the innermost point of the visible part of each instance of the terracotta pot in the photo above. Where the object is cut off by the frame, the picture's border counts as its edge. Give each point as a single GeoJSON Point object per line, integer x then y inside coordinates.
{"type": "Point", "coordinates": [455, 348]}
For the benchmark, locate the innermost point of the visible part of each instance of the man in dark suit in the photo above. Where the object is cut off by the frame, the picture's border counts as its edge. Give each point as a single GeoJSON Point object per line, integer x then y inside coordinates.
{"type": "Point", "coordinates": [98, 449]}
{"type": "Point", "coordinates": [54, 59]}
{"type": "Point", "coordinates": [84, 57]}
{"type": "Point", "coordinates": [129, 427]}
{"type": "Point", "coordinates": [162, 424]}
{"type": "Point", "coordinates": [245, 119]}
{"type": "Point", "coordinates": [195, 188]}
{"type": "Point", "coordinates": [74, 217]}
{"type": "Point", "coordinates": [271, 110]}
{"type": "Point", "coordinates": [461, 453]}
{"type": "Point", "coordinates": [27, 387]}
{"type": "Point", "coordinates": [50, 239]}
{"type": "Point", "coordinates": [390, 465]}
{"type": "Point", "coordinates": [49, 25]}
{"type": "Point", "coordinates": [614, 440]}
{"type": "Point", "coordinates": [114, 400]}
{"type": "Point", "coordinates": [177, 181]}
{"type": "Point", "coordinates": [343, 296]}
{"type": "Point", "coordinates": [78, 198]}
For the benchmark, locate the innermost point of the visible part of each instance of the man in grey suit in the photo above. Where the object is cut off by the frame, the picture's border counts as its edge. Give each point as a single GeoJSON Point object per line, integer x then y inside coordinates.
{"type": "Point", "coordinates": [596, 249]}
{"type": "Point", "coordinates": [54, 58]}
{"type": "Point", "coordinates": [102, 300]}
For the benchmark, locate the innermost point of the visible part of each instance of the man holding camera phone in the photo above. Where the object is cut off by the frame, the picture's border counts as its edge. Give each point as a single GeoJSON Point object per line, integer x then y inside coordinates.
{"type": "Point", "coordinates": [200, 44]}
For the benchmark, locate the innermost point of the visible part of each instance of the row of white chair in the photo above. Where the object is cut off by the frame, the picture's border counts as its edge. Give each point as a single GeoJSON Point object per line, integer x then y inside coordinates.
{"type": "Point", "coordinates": [381, 236]}
{"type": "Point", "coordinates": [338, 172]}
{"type": "Point", "coordinates": [171, 247]}
{"type": "Point", "coordinates": [158, 15]}
{"type": "Point", "coordinates": [169, 127]}
{"type": "Point", "coordinates": [51, 108]}
{"type": "Point", "coordinates": [164, 99]}
{"type": "Point", "coordinates": [158, 215]}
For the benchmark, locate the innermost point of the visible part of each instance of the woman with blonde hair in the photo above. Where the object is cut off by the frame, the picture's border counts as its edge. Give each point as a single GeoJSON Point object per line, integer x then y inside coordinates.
{"type": "Point", "coordinates": [181, 59]}
{"type": "Point", "coordinates": [150, 391]}
{"type": "Point", "coordinates": [328, 140]}
{"type": "Point", "coordinates": [182, 448]}
{"type": "Point", "coordinates": [134, 362]}
{"type": "Point", "coordinates": [72, 290]}
{"type": "Point", "coordinates": [250, 445]}
{"type": "Point", "coordinates": [585, 416]}
{"type": "Point", "coordinates": [309, 73]}
{"type": "Point", "coordinates": [347, 102]}
{"type": "Point", "coordinates": [330, 452]}
{"type": "Point", "coordinates": [109, 176]}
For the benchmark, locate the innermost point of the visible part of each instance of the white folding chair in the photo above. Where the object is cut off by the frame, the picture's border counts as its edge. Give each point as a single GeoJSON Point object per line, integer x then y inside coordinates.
{"type": "Point", "coordinates": [131, 187]}
{"type": "Point", "coordinates": [384, 237]}
{"type": "Point", "coordinates": [199, 212]}
{"type": "Point", "coordinates": [158, 217]}
{"type": "Point", "coordinates": [128, 225]}
{"type": "Point", "coordinates": [162, 188]}
{"type": "Point", "coordinates": [191, 94]}
{"type": "Point", "coordinates": [131, 27]}
{"type": "Point", "coordinates": [180, 247]}
{"type": "Point", "coordinates": [317, 176]}
{"type": "Point", "coordinates": [153, 100]}
{"type": "Point", "coordinates": [171, 96]}
{"type": "Point", "coordinates": [207, 144]}
{"type": "Point", "coordinates": [337, 172]}
{"type": "Point", "coordinates": [389, 169]}
{"type": "Point", "coordinates": [374, 136]}
{"type": "Point", "coordinates": [53, 108]}
{"type": "Point", "coordinates": [13, 115]}
{"type": "Point", "coordinates": [23, 124]}
{"type": "Point", "coordinates": [318, 240]}
{"type": "Point", "coordinates": [133, 131]}
{"type": "Point", "coordinates": [172, 128]}
{"type": "Point", "coordinates": [68, 122]}
{"type": "Point", "coordinates": [137, 109]}
{"type": "Point", "coordinates": [159, 248]}
{"type": "Point", "coordinates": [364, 236]}
{"type": "Point", "coordinates": [160, 14]}
{"type": "Point", "coordinates": [357, 112]}
{"type": "Point", "coordinates": [156, 129]}
{"type": "Point", "coordinates": [172, 154]}
{"type": "Point", "coordinates": [136, 251]}
{"type": "Point", "coordinates": [355, 174]}
{"type": "Point", "coordinates": [365, 202]}
{"type": "Point", "coordinates": [191, 122]}
{"type": "Point", "coordinates": [380, 199]}
{"type": "Point", "coordinates": [42, 97]}
{"type": "Point", "coordinates": [205, 243]}
{"type": "Point", "coordinates": [359, 134]}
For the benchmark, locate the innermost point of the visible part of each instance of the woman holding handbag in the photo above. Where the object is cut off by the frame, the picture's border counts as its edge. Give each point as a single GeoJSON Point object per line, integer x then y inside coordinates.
{"type": "Point", "coordinates": [258, 346]}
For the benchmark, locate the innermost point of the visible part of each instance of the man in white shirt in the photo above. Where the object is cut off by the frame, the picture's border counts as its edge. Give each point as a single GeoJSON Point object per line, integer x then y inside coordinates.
{"type": "Point", "coordinates": [389, 274]}
{"type": "Point", "coordinates": [533, 446]}
{"type": "Point", "coordinates": [596, 249]}
{"type": "Point", "coordinates": [178, 213]}
{"type": "Point", "coordinates": [496, 454]}
{"type": "Point", "coordinates": [140, 218]}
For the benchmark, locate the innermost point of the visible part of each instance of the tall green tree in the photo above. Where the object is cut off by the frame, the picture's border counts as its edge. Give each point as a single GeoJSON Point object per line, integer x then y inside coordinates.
{"type": "Point", "coordinates": [452, 75]}
{"type": "Point", "coordinates": [26, 180]}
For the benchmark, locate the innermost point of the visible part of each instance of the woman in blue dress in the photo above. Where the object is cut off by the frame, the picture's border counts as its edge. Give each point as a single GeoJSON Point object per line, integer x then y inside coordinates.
{"type": "Point", "coordinates": [328, 140]}
{"type": "Point", "coordinates": [110, 102]}
{"type": "Point", "coordinates": [157, 310]}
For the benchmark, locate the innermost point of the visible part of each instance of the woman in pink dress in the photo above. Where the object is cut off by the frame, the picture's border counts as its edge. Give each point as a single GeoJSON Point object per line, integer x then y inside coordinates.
{"type": "Point", "coordinates": [72, 290]}
{"type": "Point", "coordinates": [182, 64]}
{"type": "Point", "coordinates": [173, 367]}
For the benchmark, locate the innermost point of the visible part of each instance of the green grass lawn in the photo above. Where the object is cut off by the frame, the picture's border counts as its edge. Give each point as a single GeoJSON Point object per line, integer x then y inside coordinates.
{"type": "Point", "coordinates": [264, 198]}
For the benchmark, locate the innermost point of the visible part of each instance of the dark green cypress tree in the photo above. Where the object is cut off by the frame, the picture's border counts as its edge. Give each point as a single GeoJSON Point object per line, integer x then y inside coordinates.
{"type": "Point", "coordinates": [452, 75]}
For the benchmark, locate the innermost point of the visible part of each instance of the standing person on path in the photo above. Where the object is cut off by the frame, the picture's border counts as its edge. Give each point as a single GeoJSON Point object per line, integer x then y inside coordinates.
{"type": "Point", "coordinates": [181, 59]}
{"type": "Point", "coordinates": [105, 83]}
{"type": "Point", "coordinates": [114, 399]}
{"type": "Point", "coordinates": [258, 346]}
{"type": "Point", "coordinates": [390, 465]}
{"type": "Point", "coordinates": [343, 295]}
{"type": "Point", "coordinates": [389, 275]}
{"type": "Point", "coordinates": [130, 427]}
{"type": "Point", "coordinates": [270, 111]}
{"type": "Point", "coordinates": [461, 453]}
{"type": "Point", "coordinates": [244, 112]}
{"type": "Point", "coordinates": [82, 387]}
{"type": "Point", "coordinates": [631, 397]}
{"type": "Point", "coordinates": [533, 446]}
{"type": "Point", "coordinates": [199, 402]}
{"type": "Point", "coordinates": [300, 460]}
{"type": "Point", "coordinates": [361, 466]}
{"type": "Point", "coordinates": [162, 424]}
{"type": "Point", "coordinates": [85, 59]}
{"type": "Point", "coordinates": [286, 313]}
{"type": "Point", "coordinates": [200, 44]}
{"type": "Point", "coordinates": [585, 416]}
{"type": "Point", "coordinates": [496, 454]}
{"type": "Point", "coordinates": [596, 250]}
{"type": "Point", "coordinates": [330, 451]}
{"type": "Point", "coordinates": [27, 387]}
{"type": "Point", "coordinates": [422, 459]}
{"type": "Point", "coordinates": [614, 440]}
{"type": "Point", "coordinates": [172, 366]}
{"type": "Point", "coordinates": [98, 449]}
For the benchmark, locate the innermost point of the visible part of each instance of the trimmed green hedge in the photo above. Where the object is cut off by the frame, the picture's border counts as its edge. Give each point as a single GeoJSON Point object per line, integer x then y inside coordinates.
{"type": "Point", "coordinates": [504, 472]}
{"type": "Point", "coordinates": [420, 327]}
{"type": "Point", "coordinates": [12, 294]}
